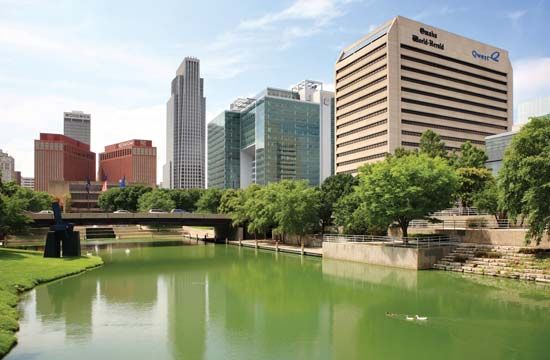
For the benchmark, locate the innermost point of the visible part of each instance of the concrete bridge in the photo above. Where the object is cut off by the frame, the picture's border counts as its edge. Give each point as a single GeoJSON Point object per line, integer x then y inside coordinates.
{"type": "Point", "coordinates": [221, 222]}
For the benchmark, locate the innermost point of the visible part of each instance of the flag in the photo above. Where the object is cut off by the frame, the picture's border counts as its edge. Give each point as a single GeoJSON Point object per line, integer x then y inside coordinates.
{"type": "Point", "coordinates": [122, 182]}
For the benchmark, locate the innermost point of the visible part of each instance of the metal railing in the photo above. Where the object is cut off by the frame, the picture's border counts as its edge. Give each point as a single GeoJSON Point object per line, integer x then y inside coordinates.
{"type": "Point", "coordinates": [459, 211]}
{"type": "Point", "coordinates": [472, 223]}
{"type": "Point", "coordinates": [410, 242]}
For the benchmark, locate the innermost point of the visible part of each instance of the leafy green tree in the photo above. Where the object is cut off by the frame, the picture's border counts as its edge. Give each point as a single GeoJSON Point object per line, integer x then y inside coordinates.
{"type": "Point", "coordinates": [332, 189]}
{"type": "Point", "coordinates": [108, 200]}
{"type": "Point", "coordinates": [122, 199]}
{"type": "Point", "coordinates": [12, 216]}
{"type": "Point", "coordinates": [156, 199]}
{"type": "Point", "coordinates": [350, 213]}
{"type": "Point", "coordinates": [469, 157]}
{"type": "Point", "coordinates": [260, 208]}
{"type": "Point", "coordinates": [400, 152]}
{"type": "Point", "coordinates": [297, 208]}
{"type": "Point", "coordinates": [406, 188]}
{"type": "Point", "coordinates": [209, 201]}
{"type": "Point", "coordinates": [487, 200]}
{"type": "Point", "coordinates": [186, 199]}
{"type": "Point", "coordinates": [230, 201]}
{"type": "Point", "coordinates": [471, 181]}
{"type": "Point", "coordinates": [524, 179]}
{"type": "Point", "coordinates": [432, 145]}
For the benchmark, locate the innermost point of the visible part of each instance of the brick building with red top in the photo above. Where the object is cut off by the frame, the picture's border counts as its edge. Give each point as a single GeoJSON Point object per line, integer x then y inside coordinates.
{"type": "Point", "coordinates": [134, 160]}
{"type": "Point", "coordinates": [60, 158]}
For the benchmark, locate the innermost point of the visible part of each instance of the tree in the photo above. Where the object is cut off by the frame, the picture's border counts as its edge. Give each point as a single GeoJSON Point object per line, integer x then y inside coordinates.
{"type": "Point", "coordinates": [12, 216]}
{"type": "Point", "coordinates": [431, 145]}
{"type": "Point", "coordinates": [260, 209]}
{"type": "Point", "coordinates": [297, 208]}
{"type": "Point", "coordinates": [186, 199]}
{"type": "Point", "coordinates": [156, 199]}
{"type": "Point", "coordinates": [471, 181]}
{"type": "Point", "coordinates": [332, 189]}
{"type": "Point", "coordinates": [469, 157]}
{"type": "Point", "coordinates": [488, 199]}
{"type": "Point", "coordinates": [406, 188]}
{"type": "Point", "coordinates": [230, 201]}
{"type": "Point", "coordinates": [350, 213]}
{"type": "Point", "coordinates": [209, 201]}
{"type": "Point", "coordinates": [524, 180]}
{"type": "Point", "coordinates": [122, 199]}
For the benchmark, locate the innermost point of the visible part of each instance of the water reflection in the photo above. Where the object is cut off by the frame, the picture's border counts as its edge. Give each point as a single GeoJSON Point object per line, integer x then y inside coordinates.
{"type": "Point", "coordinates": [213, 302]}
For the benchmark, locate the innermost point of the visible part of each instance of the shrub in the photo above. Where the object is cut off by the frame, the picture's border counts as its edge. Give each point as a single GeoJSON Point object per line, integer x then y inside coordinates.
{"type": "Point", "coordinates": [476, 223]}
{"type": "Point", "coordinates": [487, 254]}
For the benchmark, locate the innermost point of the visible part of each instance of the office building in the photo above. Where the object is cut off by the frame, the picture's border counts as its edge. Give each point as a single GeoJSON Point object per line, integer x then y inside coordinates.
{"type": "Point", "coordinates": [495, 148]}
{"type": "Point", "coordinates": [532, 108]}
{"type": "Point", "coordinates": [17, 175]}
{"type": "Point", "coordinates": [61, 158]}
{"type": "Point", "coordinates": [273, 136]}
{"type": "Point", "coordinates": [27, 182]}
{"type": "Point", "coordinates": [133, 160]}
{"type": "Point", "coordinates": [76, 125]}
{"type": "Point", "coordinates": [7, 167]}
{"type": "Point", "coordinates": [406, 77]}
{"type": "Point", "coordinates": [185, 129]}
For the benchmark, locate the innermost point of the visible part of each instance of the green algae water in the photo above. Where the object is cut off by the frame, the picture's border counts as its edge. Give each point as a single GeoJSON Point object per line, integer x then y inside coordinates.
{"type": "Point", "coordinates": [225, 302]}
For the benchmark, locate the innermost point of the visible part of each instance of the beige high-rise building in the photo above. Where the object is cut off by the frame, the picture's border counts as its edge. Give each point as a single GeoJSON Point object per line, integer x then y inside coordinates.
{"type": "Point", "coordinates": [406, 77]}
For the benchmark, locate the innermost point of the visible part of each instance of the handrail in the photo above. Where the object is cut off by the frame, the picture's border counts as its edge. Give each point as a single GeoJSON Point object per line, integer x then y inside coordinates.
{"type": "Point", "coordinates": [472, 223]}
{"type": "Point", "coordinates": [411, 242]}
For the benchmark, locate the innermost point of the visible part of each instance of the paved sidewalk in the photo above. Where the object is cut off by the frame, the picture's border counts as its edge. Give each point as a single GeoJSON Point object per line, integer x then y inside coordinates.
{"type": "Point", "coordinates": [270, 245]}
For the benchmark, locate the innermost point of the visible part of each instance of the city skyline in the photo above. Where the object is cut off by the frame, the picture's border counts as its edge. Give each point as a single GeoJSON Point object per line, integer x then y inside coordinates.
{"type": "Point", "coordinates": [262, 44]}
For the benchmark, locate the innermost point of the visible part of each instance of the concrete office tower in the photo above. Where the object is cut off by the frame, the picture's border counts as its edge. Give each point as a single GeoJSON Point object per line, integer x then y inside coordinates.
{"type": "Point", "coordinates": [406, 77]}
{"type": "Point", "coordinates": [532, 108]}
{"type": "Point", "coordinates": [59, 158]}
{"type": "Point", "coordinates": [7, 167]}
{"type": "Point", "coordinates": [279, 134]}
{"type": "Point", "coordinates": [27, 182]}
{"type": "Point", "coordinates": [185, 129]}
{"type": "Point", "coordinates": [76, 125]}
{"type": "Point", "coordinates": [134, 160]}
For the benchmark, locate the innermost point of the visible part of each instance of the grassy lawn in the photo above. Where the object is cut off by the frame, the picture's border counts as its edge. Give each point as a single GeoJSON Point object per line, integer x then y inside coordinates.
{"type": "Point", "coordinates": [21, 270]}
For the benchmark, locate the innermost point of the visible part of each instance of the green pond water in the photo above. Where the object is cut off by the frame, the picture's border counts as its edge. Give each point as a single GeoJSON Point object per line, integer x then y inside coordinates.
{"type": "Point", "coordinates": [225, 302]}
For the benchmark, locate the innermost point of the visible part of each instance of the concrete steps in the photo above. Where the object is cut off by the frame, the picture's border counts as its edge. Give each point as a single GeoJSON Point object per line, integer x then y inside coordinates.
{"type": "Point", "coordinates": [501, 261]}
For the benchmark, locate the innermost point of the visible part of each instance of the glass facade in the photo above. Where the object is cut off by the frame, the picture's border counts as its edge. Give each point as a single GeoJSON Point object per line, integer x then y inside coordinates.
{"type": "Point", "coordinates": [495, 147]}
{"type": "Point", "coordinates": [224, 146]}
{"type": "Point", "coordinates": [277, 137]}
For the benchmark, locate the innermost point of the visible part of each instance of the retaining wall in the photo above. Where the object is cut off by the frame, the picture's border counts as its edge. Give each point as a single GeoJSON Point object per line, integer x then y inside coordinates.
{"type": "Point", "coordinates": [400, 257]}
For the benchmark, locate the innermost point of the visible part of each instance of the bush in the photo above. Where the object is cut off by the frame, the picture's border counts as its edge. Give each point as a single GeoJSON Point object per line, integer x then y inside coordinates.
{"type": "Point", "coordinates": [460, 258]}
{"type": "Point", "coordinates": [476, 223]}
{"type": "Point", "coordinates": [487, 254]}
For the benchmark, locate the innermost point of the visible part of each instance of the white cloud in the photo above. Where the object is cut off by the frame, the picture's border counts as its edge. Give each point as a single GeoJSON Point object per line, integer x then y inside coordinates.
{"type": "Point", "coordinates": [319, 10]}
{"type": "Point", "coordinates": [516, 15]}
{"type": "Point", "coordinates": [109, 125]}
{"type": "Point", "coordinates": [245, 45]}
{"type": "Point", "coordinates": [117, 60]}
{"type": "Point", "coordinates": [531, 78]}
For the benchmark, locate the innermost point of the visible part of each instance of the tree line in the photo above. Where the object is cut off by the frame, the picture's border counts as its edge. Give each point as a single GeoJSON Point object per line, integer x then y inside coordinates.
{"type": "Point", "coordinates": [15, 202]}
{"type": "Point", "coordinates": [407, 185]}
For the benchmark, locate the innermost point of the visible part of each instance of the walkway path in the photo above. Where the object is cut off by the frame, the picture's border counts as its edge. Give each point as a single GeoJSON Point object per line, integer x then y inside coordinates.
{"type": "Point", "coordinates": [270, 245]}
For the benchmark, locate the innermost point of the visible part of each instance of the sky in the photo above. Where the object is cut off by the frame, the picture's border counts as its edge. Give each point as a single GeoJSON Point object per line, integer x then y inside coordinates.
{"type": "Point", "coordinates": [116, 59]}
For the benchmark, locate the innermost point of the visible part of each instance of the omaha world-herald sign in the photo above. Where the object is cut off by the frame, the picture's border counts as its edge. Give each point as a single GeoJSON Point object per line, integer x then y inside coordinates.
{"type": "Point", "coordinates": [427, 37]}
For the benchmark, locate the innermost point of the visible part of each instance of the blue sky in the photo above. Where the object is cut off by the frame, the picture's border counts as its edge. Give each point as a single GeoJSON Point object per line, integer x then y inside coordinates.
{"type": "Point", "coordinates": [116, 59]}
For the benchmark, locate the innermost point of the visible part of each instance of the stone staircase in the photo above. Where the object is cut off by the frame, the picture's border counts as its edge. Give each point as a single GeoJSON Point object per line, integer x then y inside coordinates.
{"type": "Point", "coordinates": [501, 261]}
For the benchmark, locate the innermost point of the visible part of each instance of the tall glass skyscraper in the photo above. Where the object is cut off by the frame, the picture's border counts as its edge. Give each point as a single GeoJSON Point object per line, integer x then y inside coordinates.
{"type": "Point", "coordinates": [274, 136]}
{"type": "Point", "coordinates": [532, 108]}
{"type": "Point", "coordinates": [185, 129]}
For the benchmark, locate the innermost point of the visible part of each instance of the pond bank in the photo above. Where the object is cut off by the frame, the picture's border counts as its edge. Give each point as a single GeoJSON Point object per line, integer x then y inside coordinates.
{"type": "Point", "coordinates": [21, 270]}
